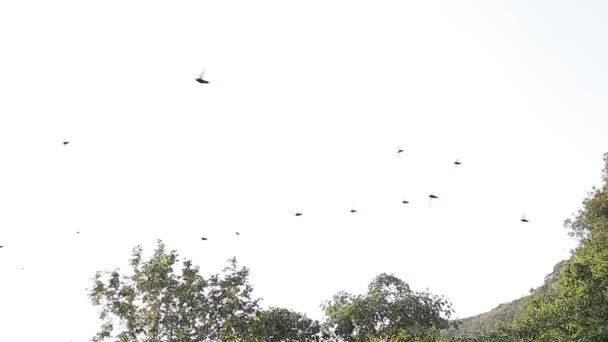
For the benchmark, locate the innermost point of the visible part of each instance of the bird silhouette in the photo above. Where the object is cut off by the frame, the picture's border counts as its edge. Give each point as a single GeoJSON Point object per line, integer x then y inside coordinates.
{"type": "Point", "coordinates": [524, 219]}
{"type": "Point", "coordinates": [432, 196]}
{"type": "Point", "coordinates": [457, 162]}
{"type": "Point", "coordinates": [78, 232]}
{"type": "Point", "coordinates": [1, 246]}
{"type": "Point", "coordinates": [400, 150]}
{"type": "Point", "coordinates": [200, 78]}
{"type": "Point", "coordinates": [298, 214]}
{"type": "Point", "coordinates": [65, 143]}
{"type": "Point", "coordinates": [237, 233]}
{"type": "Point", "coordinates": [405, 202]}
{"type": "Point", "coordinates": [204, 238]}
{"type": "Point", "coordinates": [353, 211]}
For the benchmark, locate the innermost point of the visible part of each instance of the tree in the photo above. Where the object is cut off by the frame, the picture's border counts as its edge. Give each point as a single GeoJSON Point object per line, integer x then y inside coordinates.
{"type": "Point", "coordinates": [154, 304]}
{"type": "Point", "coordinates": [282, 325]}
{"type": "Point", "coordinates": [389, 311]}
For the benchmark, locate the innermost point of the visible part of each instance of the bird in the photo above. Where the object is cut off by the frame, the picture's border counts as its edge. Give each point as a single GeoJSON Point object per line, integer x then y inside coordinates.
{"type": "Point", "coordinates": [204, 238]}
{"type": "Point", "coordinates": [405, 202]}
{"type": "Point", "coordinates": [353, 211]}
{"type": "Point", "coordinates": [298, 214]}
{"type": "Point", "coordinates": [400, 150]}
{"type": "Point", "coordinates": [78, 232]}
{"type": "Point", "coordinates": [65, 142]}
{"type": "Point", "coordinates": [237, 233]}
{"type": "Point", "coordinates": [457, 162]}
{"type": "Point", "coordinates": [200, 78]}
{"type": "Point", "coordinates": [1, 246]}
{"type": "Point", "coordinates": [432, 196]}
{"type": "Point", "coordinates": [524, 219]}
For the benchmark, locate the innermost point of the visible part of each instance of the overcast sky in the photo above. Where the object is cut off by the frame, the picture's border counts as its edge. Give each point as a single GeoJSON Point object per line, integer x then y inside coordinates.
{"type": "Point", "coordinates": [307, 105]}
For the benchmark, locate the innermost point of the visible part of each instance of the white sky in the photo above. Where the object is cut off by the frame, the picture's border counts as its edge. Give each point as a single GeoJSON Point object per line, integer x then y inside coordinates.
{"type": "Point", "coordinates": [307, 105]}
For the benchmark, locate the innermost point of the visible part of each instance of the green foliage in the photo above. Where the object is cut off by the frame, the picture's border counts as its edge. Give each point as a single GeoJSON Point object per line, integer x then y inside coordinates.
{"type": "Point", "coordinates": [155, 304]}
{"type": "Point", "coordinates": [282, 325]}
{"type": "Point", "coordinates": [389, 311]}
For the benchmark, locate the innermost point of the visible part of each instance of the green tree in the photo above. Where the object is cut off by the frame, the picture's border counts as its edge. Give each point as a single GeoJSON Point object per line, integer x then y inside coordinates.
{"type": "Point", "coordinates": [154, 304]}
{"type": "Point", "coordinates": [282, 325]}
{"type": "Point", "coordinates": [389, 311]}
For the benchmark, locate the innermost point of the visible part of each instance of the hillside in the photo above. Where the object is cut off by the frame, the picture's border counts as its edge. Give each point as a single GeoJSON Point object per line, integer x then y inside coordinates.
{"type": "Point", "coordinates": [505, 312]}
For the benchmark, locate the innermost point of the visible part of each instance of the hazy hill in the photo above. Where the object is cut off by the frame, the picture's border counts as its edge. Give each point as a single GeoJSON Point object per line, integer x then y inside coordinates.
{"type": "Point", "coordinates": [505, 312]}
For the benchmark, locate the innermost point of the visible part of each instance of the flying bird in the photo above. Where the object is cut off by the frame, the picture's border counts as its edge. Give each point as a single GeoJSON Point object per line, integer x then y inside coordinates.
{"type": "Point", "coordinates": [298, 214]}
{"type": "Point", "coordinates": [405, 202]}
{"type": "Point", "coordinates": [65, 143]}
{"type": "Point", "coordinates": [200, 78]}
{"type": "Point", "coordinates": [400, 150]}
{"type": "Point", "coordinates": [457, 162]}
{"type": "Point", "coordinates": [353, 211]}
{"type": "Point", "coordinates": [524, 219]}
{"type": "Point", "coordinates": [1, 246]}
{"type": "Point", "coordinates": [432, 196]}
{"type": "Point", "coordinates": [204, 238]}
{"type": "Point", "coordinates": [237, 233]}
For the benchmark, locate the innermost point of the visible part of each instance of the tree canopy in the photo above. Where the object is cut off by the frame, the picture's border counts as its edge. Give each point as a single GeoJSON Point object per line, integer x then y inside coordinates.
{"type": "Point", "coordinates": [155, 303]}
{"type": "Point", "coordinates": [389, 311]}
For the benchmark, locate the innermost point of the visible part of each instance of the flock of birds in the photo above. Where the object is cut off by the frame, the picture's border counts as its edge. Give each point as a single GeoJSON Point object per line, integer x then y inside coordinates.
{"type": "Point", "coordinates": [432, 196]}
{"type": "Point", "coordinates": [200, 79]}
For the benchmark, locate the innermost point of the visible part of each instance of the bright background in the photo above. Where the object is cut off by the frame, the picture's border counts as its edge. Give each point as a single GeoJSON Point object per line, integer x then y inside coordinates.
{"type": "Point", "coordinates": [307, 105]}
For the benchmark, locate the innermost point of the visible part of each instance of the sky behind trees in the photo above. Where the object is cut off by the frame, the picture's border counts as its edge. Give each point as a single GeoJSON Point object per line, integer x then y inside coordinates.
{"type": "Point", "coordinates": [306, 108]}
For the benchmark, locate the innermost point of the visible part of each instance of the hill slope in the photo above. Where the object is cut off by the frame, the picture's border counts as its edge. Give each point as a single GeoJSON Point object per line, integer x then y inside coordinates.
{"type": "Point", "coordinates": [505, 312]}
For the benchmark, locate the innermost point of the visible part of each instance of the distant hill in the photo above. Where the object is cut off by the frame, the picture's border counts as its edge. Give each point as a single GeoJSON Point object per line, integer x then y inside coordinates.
{"type": "Point", "coordinates": [505, 312]}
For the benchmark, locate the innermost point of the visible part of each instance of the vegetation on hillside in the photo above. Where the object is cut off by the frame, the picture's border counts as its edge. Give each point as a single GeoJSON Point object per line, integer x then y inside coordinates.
{"type": "Point", "coordinates": [575, 306]}
{"type": "Point", "coordinates": [504, 313]}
